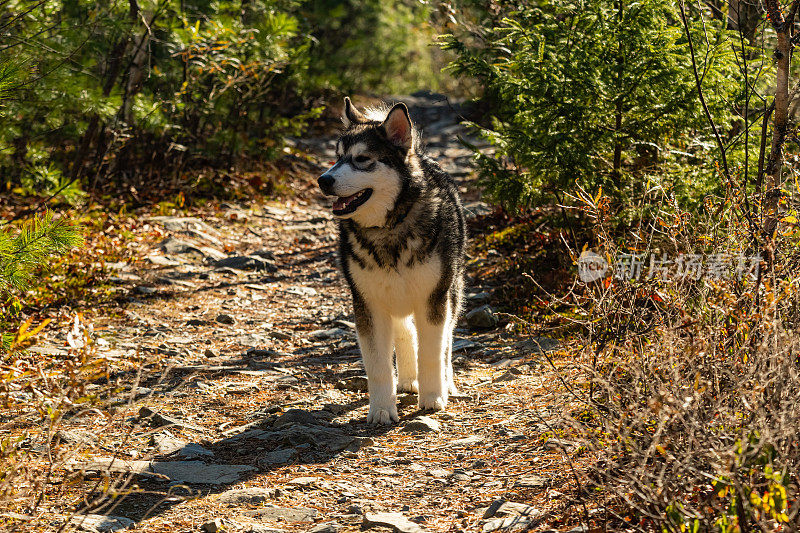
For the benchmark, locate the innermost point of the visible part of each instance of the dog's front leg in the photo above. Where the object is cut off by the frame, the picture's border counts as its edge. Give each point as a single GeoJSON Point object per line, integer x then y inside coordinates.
{"type": "Point", "coordinates": [433, 328]}
{"type": "Point", "coordinates": [375, 339]}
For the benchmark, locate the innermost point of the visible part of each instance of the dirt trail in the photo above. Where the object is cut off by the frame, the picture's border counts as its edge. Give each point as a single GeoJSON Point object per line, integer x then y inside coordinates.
{"type": "Point", "coordinates": [253, 399]}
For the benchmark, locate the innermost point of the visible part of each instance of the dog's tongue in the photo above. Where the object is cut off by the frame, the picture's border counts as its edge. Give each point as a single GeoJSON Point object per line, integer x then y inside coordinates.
{"type": "Point", "coordinates": [342, 201]}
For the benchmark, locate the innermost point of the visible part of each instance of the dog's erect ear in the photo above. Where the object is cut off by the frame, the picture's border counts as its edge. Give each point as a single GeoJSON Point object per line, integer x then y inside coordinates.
{"type": "Point", "coordinates": [398, 127]}
{"type": "Point", "coordinates": [351, 114]}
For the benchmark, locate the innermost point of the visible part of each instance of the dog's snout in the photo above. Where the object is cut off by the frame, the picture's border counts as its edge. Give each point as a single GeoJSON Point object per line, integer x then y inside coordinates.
{"type": "Point", "coordinates": [326, 183]}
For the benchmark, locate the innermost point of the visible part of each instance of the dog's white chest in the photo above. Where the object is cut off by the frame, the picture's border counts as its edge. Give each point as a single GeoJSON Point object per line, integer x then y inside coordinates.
{"type": "Point", "coordinates": [400, 290]}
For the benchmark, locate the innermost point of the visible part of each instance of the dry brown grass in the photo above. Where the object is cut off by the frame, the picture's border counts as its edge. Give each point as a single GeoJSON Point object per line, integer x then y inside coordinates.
{"type": "Point", "coordinates": [689, 389]}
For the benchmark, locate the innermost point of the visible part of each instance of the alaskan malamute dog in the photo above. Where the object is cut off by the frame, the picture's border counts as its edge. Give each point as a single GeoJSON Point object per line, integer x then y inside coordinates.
{"type": "Point", "coordinates": [401, 244]}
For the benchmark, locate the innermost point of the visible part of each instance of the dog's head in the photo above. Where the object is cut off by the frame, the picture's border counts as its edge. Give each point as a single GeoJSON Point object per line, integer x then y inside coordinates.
{"type": "Point", "coordinates": [372, 163]}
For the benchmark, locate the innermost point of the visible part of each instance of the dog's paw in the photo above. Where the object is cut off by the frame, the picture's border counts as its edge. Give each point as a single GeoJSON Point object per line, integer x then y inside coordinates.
{"type": "Point", "coordinates": [432, 402]}
{"type": "Point", "coordinates": [408, 385]}
{"type": "Point", "coordinates": [381, 416]}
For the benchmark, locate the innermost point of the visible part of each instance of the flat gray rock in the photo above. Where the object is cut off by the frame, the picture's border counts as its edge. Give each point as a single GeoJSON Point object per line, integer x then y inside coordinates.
{"type": "Point", "coordinates": [306, 482]}
{"type": "Point", "coordinates": [202, 235]}
{"type": "Point", "coordinates": [192, 472]}
{"type": "Point", "coordinates": [112, 465]}
{"type": "Point", "coordinates": [171, 245]}
{"type": "Point", "coordinates": [97, 523]}
{"type": "Point", "coordinates": [246, 262]}
{"type": "Point", "coordinates": [479, 297]}
{"type": "Point", "coordinates": [333, 333]}
{"type": "Point", "coordinates": [318, 437]}
{"type": "Point", "coordinates": [193, 450]}
{"type": "Point", "coordinates": [422, 424]}
{"type": "Point", "coordinates": [509, 524]}
{"type": "Point", "coordinates": [76, 437]}
{"type": "Point", "coordinates": [199, 473]}
{"type": "Point", "coordinates": [247, 496]}
{"type": "Point", "coordinates": [295, 416]}
{"type": "Point", "coordinates": [166, 443]}
{"type": "Point", "coordinates": [516, 508]}
{"type": "Point", "coordinates": [396, 521]}
{"type": "Point", "coordinates": [212, 253]}
{"type": "Point", "coordinates": [464, 344]}
{"type": "Point", "coordinates": [503, 508]}
{"type": "Point", "coordinates": [160, 260]}
{"type": "Point", "coordinates": [278, 457]}
{"type": "Point", "coordinates": [289, 514]}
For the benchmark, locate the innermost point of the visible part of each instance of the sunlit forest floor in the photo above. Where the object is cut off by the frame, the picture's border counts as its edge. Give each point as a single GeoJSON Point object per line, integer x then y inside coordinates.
{"type": "Point", "coordinates": [227, 330]}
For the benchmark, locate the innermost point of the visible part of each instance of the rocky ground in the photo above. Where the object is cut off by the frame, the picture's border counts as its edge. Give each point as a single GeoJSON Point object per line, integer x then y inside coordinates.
{"type": "Point", "coordinates": [245, 395]}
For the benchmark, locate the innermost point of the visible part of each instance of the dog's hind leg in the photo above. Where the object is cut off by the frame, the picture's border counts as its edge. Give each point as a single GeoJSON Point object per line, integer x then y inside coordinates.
{"type": "Point", "coordinates": [375, 340]}
{"type": "Point", "coordinates": [405, 349]}
{"type": "Point", "coordinates": [456, 302]}
{"type": "Point", "coordinates": [448, 368]}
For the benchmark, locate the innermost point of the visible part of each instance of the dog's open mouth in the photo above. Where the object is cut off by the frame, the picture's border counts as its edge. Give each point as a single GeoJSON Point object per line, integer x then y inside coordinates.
{"type": "Point", "coordinates": [344, 205]}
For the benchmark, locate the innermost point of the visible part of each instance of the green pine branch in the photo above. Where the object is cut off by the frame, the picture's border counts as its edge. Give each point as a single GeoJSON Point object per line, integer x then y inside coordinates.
{"type": "Point", "coordinates": [23, 251]}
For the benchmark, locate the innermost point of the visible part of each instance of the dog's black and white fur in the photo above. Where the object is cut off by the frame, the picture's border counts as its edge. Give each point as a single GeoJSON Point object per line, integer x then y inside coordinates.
{"type": "Point", "coordinates": [401, 244]}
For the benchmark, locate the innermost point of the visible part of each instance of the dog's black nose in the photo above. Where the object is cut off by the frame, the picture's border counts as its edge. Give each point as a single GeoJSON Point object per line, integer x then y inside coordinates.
{"type": "Point", "coordinates": [326, 183]}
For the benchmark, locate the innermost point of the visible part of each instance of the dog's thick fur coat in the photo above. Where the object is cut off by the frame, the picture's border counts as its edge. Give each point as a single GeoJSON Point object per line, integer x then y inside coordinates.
{"type": "Point", "coordinates": [401, 245]}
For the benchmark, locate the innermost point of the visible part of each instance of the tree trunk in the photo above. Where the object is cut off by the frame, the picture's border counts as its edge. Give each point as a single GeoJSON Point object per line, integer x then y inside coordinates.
{"type": "Point", "coordinates": [135, 74]}
{"type": "Point", "coordinates": [246, 10]}
{"type": "Point", "coordinates": [114, 67]}
{"type": "Point", "coordinates": [139, 55]}
{"type": "Point", "coordinates": [772, 171]}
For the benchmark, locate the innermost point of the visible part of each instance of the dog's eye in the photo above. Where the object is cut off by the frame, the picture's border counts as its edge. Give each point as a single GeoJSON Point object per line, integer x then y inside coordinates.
{"type": "Point", "coordinates": [361, 159]}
